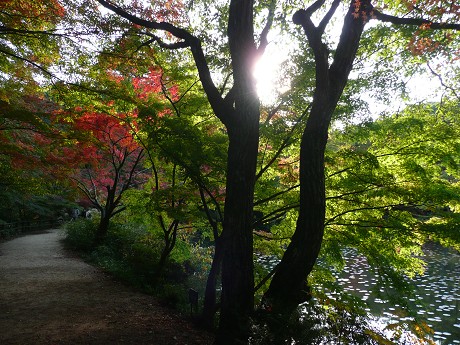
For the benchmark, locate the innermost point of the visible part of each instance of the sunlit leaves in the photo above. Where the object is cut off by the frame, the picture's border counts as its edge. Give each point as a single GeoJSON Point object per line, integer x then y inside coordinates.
{"type": "Point", "coordinates": [388, 180]}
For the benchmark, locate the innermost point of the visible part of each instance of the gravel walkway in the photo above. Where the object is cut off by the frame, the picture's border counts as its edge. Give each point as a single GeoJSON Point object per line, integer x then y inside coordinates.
{"type": "Point", "coordinates": [48, 296]}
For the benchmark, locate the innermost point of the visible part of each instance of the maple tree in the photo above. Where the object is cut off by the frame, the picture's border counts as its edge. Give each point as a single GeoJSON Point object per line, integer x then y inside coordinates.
{"type": "Point", "coordinates": [239, 112]}
{"type": "Point", "coordinates": [154, 118]}
{"type": "Point", "coordinates": [109, 162]}
{"type": "Point", "coordinates": [288, 283]}
{"type": "Point", "coordinates": [28, 46]}
{"type": "Point", "coordinates": [34, 37]}
{"type": "Point", "coordinates": [32, 175]}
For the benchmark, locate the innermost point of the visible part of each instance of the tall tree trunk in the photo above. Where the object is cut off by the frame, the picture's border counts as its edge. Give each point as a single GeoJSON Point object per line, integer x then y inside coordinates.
{"type": "Point", "coordinates": [289, 284]}
{"type": "Point", "coordinates": [237, 301]}
{"type": "Point", "coordinates": [288, 287]}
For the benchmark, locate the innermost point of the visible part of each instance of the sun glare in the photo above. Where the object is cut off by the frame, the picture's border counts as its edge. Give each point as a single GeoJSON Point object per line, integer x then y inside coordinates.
{"type": "Point", "coordinates": [267, 73]}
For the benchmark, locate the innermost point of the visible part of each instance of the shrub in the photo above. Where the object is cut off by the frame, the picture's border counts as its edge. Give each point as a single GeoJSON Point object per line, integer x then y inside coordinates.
{"type": "Point", "coordinates": [131, 253]}
{"type": "Point", "coordinates": [80, 234]}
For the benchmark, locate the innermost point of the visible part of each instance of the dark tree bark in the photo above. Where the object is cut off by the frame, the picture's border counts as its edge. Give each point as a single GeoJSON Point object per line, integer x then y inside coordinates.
{"type": "Point", "coordinates": [170, 237]}
{"type": "Point", "coordinates": [102, 229]}
{"type": "Point", "coordinates": [289, 287]}
{"type": "Point", "coordinates": [210, 304]}
{"type": "Point", "coordinates": [237, 301]}
{"type": "Point", "coordinates": [289, 284]}
{"type": "Point", "coordinates": [107, 212]}
{"type": "Point", "coordinates": [210, 295]}
{"type": "Point", "coordinates": [239, 112]}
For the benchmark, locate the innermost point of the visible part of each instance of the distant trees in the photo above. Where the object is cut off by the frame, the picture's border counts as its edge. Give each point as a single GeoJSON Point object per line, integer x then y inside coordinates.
{"type": "Point", "coordinates": [31, 187]}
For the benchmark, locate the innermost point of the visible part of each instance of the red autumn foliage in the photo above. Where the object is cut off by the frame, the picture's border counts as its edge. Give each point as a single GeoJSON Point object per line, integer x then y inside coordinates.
{"type": "Point", "coordinates": [148, 84]}
{"type": "Point", "coordinates": [107, 155]}
{"type": "Point", "coordinates": [35, 11]}
{"type": "Point", "coordinates": [435, 11]}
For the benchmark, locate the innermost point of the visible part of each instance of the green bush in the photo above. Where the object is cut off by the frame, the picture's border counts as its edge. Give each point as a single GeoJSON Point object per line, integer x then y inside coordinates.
{"type": "Point", "coordinates": [144, 256]}
{"type": "Point", "coordinates": [131, 253]}
{"type": "Point", "coordinates": [80, 234]}
{"type": "Point", "coordinates": [173, 295]}
{"type": "Point", "coordinates": [7, 232]}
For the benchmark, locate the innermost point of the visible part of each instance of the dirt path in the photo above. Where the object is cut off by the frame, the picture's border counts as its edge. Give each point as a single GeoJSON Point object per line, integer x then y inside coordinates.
{"type": "Point", "coordinates": [49, 297]}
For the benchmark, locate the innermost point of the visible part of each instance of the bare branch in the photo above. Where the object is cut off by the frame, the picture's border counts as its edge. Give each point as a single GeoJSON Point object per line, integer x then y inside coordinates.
{"type": "Point", "coordinates": [163, 44]}
{"type": "Point", "coordinates": [211, 221]}
{"type": "Point", "coordinates": [437, 75]}
{"type": "Point", "coordinates": [266, 278]}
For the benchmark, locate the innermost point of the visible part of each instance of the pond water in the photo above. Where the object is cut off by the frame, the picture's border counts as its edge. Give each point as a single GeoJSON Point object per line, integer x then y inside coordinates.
{"type": "Point", "coordinates": [437, 292]}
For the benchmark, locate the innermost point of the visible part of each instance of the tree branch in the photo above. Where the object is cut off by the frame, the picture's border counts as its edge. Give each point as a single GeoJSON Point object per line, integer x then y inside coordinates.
{"type": "Point", "coordinates": [437, 75]}
{"type": "Point", "coordinates": [341, 196]}
{"type": "Point", "coordinates": [284, 144]}
{"type": "Point", "coordinates": [327, 18]}
{"type": "Point", "coordinates": [211, 221]}
{"type": "Point", "coordinates": [263, 36]}
{"type": "Point", "coordinates": [163, 44]}
{"type": "Point", "coordinates": [44, 70]}
{"type": "Point", "coordinates": [271, 197]}
{"type": "Point", "coordinates": [276, 214]}
{"type": "Point", "coordinates": [266, 278]}
{"type": "Point", "coordinates": [413, 21]}
{"type": "Point", "coordinates": [221, 110]}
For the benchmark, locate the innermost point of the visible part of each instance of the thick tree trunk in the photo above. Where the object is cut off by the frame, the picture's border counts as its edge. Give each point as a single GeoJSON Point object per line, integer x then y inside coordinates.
{"type": "Point", "coordinates": [237, 300]}
{"type": "Point", "coordinates": [289, 287]}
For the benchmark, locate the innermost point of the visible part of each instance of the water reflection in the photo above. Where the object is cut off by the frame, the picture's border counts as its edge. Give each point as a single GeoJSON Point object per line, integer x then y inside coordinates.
{"type": "Point", "coordinates": [436, 298]}
{"type": "Point", "coordinates": [437, 292]}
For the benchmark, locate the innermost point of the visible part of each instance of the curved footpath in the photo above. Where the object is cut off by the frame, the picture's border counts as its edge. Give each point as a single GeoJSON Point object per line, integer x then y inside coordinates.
{"type": "Point", "coordinates": [48, 296]}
